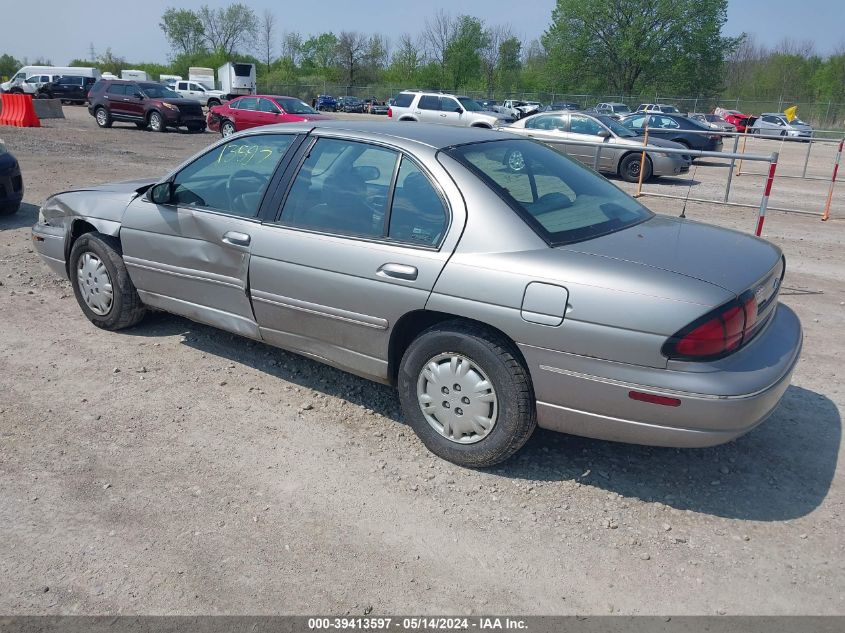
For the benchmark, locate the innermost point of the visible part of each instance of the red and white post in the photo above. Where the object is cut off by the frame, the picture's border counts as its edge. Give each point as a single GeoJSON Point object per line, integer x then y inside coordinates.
{"type": "Point", "coordinates": [761, 216]}
{"type": "Point", "coordinates": [826, 213]}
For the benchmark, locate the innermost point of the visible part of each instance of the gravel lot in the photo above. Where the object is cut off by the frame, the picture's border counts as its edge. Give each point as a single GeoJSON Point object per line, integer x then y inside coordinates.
{"type": "Point", "coordinates": [173, 468]}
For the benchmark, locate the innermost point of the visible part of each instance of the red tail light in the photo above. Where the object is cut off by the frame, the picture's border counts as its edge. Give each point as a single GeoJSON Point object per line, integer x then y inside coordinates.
{"type": "Point", "coordinates": [716, 334]}
{"type": "Point", "coordinates": [390, 113]}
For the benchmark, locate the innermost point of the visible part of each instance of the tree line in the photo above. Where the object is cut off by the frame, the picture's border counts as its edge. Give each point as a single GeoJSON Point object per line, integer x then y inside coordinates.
{"type": "Point", "coordinates": [612, 47]}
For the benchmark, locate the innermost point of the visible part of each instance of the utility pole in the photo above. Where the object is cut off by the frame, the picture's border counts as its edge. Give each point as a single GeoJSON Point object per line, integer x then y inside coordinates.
{"type": "Point", "coordinates": [92, 53]}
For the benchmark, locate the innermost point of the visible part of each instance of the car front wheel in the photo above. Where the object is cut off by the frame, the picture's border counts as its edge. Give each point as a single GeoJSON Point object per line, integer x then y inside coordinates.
{"type": "Point", "coordinates": [157, 122]}
{"type": "Point", "coordinates": [101, 283]}
{"type": "Point", "coordinates": [467, 394]}
{"type": "Point", "coordinates": [629, 168]}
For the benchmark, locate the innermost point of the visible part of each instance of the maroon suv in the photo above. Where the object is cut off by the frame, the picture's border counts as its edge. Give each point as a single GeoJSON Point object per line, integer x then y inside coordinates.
{"type": "Point", "coordinates": [144, 103]}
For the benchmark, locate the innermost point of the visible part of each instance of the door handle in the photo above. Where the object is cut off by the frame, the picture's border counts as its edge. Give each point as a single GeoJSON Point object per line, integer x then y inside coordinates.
{"type": "Point", "coordinates": [398, 271]}
{"type": "Point", "coordinates": [236, 239]}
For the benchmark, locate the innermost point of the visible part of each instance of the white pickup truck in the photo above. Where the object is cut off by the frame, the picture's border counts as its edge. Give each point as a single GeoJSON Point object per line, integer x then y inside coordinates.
{"type": "Point", "coordinates": [195, 90]}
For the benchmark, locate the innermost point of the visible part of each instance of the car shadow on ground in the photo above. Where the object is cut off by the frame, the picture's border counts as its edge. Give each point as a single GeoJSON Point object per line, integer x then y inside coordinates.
{"type": "Point", "coordinates": [782, 470]}
{"type": "Point", "coordinates": [27, 215]}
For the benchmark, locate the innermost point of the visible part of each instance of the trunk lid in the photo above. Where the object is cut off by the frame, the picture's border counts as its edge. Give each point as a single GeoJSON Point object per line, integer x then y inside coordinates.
{"type": "Point", "coordinates": [729, 259]}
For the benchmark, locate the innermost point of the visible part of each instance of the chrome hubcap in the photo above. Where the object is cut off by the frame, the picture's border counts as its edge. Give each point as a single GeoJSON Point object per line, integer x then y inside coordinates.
{"type": "Point", "coordinates": [457, 399]}
{"type": "Point", "coordinates": [228, 130]}
{"type": "Point", "coordinates": [101, 117]}
{"type": "Point", "coordinates": [155, 121]}
{"type": "Point", "coordinates": [94, 284]}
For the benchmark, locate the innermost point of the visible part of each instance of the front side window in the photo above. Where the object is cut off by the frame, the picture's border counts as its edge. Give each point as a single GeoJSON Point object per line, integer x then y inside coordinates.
{"type": "Point", "coordinates": [663, 122]}
{"type": "Point", "coordinates": [448, 104]}
{"type": "Point", "coordinates": [342, 188]}
{"type": "Point", "coordinates": [156, 91]}
{"type": "Point", "coordinates": [636, 122]}
{"type": "Point", "coordinates": [584, 125]}
{"type": "Point", "coordinates": [265, 105]}
{"type": "Point", "coordinates": [559, 198]}
{"type": "Point", "coordinates": [232, 177]}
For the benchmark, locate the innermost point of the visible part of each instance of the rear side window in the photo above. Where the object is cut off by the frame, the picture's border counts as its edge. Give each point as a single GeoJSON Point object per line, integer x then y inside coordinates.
{"type": "Point", "coordinates": [117, 89]}
{"type": "Point", "coordinates": [429, 102]}
{"type": "Point", "coordinates": [248, 103]}
{"type": "Point", "coordinates": [546, 122]}
{"type": "Point", "coordinates": [418, 215]}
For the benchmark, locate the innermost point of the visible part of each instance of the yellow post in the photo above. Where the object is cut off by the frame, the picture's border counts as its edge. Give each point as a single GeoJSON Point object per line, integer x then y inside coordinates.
{"type": "Point", "coordinates": [744, 141]}
{"type": "Point", "coordinates": [642, 162]}
{"type": "Point", "coordinates": [826, 213]}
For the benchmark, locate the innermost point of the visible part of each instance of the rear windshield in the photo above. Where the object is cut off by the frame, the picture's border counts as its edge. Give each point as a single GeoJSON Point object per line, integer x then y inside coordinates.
{"type": "Point", "coordinates": [403, 100]}
{"type": "Point", "coordinates": [558, 197]}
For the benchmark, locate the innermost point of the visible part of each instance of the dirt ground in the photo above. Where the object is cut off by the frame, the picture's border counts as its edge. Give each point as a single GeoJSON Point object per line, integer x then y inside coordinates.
{"type": "Point", "coordinates": [175, 469]}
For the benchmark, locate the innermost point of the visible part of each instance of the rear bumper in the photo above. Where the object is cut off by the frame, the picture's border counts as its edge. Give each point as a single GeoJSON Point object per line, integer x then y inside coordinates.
{"type": "Point", "coordinates": [668, 165]}
{"type": "Point", "coordinates": [719, 401]}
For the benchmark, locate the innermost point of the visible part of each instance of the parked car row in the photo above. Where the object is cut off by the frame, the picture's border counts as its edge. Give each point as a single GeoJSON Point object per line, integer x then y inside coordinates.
{"type": "Point", "coordinates": [328, 103]}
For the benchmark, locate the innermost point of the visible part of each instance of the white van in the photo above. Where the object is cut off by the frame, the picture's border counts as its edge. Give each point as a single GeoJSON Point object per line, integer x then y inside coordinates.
{"type": "Point", "coordinates": [134, 75]}
{"type": "Point", "coordinates": [26, 72]}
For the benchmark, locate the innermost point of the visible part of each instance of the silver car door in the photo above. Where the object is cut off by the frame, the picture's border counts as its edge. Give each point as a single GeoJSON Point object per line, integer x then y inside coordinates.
{"type": "Point", "coordinates": [586, 129]}
{"type": "Point", "coordinates": [451, 112]}
{"type": "Point", "coordinates": [363, 235]}
{"type": "Point", "coordinates": [190, 255]}
{"type": "Point", "coordinates": [428, 109]}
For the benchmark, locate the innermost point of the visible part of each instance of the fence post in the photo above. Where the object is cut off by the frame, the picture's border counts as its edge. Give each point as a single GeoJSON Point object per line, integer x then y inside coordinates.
{"type": "Point", "coordinates": [731, 169]}
{"type": "Point", "coordinates": [764, 202]}
{"type": "Point", "coordinates": [807, 157]}
{"type": "Point", "coordinates": [744, 141]}
{"type": "Point", "coordinates": [826, 213]}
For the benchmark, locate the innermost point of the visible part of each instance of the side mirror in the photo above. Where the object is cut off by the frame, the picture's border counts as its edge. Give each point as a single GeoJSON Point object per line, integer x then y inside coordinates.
{"type": "Point", "coordinates": [162, 193]}
{"type": "Point", "coordinates": [138, 95]}
{"type": "Point", "coordinates": [459, 110]}
{"type": "Point", "coordinates": [603, 134]}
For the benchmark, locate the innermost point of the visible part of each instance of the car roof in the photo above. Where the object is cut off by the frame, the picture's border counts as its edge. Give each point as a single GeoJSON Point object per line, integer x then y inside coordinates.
{"type": "Point", "coordinates": [430, 134]}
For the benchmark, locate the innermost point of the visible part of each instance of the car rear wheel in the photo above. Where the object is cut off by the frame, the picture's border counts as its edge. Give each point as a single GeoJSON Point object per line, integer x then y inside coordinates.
{"type": "Point", "coordinates": [101, 283]}
{"type": "Point", "coordinates": [629, 168]}
{"type": "Point", "coordinates": [467, 394]}
{"type": "Point", "coordinates": [157, 122]}
{"type": "Point", "coordinates": [10, 209]}
{"type": "Point", "coordinates": [227, 128]}
{"type": "Point", "coordinates": [102, 116]}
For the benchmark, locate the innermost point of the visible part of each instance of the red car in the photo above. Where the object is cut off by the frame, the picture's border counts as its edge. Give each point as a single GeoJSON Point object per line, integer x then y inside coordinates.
{"type": "Point", "coordinates": [739, 120]}
{"type": "Point", "coordinates": [256, 110]}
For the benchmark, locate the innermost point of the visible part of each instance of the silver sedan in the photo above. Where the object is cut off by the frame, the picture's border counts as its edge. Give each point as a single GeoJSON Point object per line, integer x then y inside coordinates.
{"type": "Point", "coordinates": [568, 131]}
{"type": "Point", "coordinates": [493, 300]}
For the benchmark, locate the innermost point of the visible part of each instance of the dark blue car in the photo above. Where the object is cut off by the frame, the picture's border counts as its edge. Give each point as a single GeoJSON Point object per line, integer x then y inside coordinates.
{"type": "Point", "coordinates": [11, 183]}
{"type": "Point", "coordinates": [325, 103]}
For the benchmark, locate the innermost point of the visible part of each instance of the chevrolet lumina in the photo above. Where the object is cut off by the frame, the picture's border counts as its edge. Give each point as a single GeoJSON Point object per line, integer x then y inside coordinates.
{"type": "Point", "coordinates": [493, 300]}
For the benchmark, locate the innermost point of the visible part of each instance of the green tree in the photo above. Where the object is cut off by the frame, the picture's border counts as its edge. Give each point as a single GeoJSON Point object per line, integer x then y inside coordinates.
{"type": "Point", "coordinates": [183, 30]}
{"type": "Point", "coordinates": [9, 65]}
{"type": "Point", "coordinates": [228, 29]}
{"type": "Point", "coordinates": [463, 54]}
{"type": "Point", "coordinates": [319, 54]}
{"type": "Point", "coordinates": [627, 45]}
{"type": "Point", "coordinates": [509, 64]}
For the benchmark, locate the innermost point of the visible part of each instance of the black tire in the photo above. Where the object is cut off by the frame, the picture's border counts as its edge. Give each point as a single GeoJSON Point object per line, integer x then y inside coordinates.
{"type": "Point", "coordinates": [156, 121]}
{"type": "Point", "coordinates": [103, 117]}
{"type": "Point", "coordinates": [10, 209]}
{"type": "Point", "coordinates": [629, 168]}
{"type": "Point", "coordinates": [126, 308]}
{"type": "Point", "coordinates": [211, 103]}
{"type": "Point", "coordinates": [516, 416]}
{"type": "Point", "coordinates": [196, 129]}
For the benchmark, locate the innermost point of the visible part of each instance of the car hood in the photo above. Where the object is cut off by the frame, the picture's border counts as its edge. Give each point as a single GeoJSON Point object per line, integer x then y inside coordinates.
{"type": "Point", "coordinates": [728, 259]}
{"type": "Point", "coordinates": [178, 102]}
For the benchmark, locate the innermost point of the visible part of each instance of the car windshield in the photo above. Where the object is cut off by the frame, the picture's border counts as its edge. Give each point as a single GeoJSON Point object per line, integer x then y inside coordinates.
{"type": "Point", "coordinates": [295, 106]}
{"type": "Point", "coordinates": [562, 200]}
{"type": "Point", "coordinates": [157, 91]}
{"type": "Point", "coordinates": [469, 104]}
{"type": "Point", "coordinates": [622, 109]}
{"type": "Point", "coordinates": [617, 128]}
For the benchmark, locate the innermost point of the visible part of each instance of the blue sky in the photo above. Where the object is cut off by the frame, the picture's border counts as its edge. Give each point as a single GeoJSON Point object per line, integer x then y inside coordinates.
{"type": "Point", "coordinates": [62, 29]}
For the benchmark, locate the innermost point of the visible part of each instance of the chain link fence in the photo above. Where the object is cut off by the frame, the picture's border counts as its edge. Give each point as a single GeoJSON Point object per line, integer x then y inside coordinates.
{"type": "Point", "coordinates": [824, 115]}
